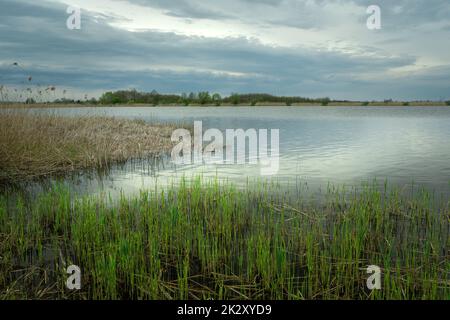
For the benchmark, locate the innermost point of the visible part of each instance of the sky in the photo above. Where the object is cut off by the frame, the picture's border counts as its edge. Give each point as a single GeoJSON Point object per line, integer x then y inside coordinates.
{"type": "Point", "coordinates": [310, 48]}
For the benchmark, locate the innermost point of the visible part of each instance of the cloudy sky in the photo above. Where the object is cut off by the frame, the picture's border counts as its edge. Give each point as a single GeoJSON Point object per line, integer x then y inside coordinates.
{"type": "Point", "coordinates": [312, 48]}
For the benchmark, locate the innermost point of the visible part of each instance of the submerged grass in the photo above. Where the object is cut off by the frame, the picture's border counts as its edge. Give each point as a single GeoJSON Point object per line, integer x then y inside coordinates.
{"type": "Point", "coordinates": [208, 239]}
{"type": "Point", "coordinates": [34, 145]}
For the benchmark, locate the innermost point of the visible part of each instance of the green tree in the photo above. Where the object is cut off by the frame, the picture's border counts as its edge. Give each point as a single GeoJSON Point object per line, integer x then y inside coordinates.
{"type": "Point", "coordinates": [235, 99]}
{"type": "Point", "coordinates": [217, 99]}
{"type": "Point", "coordinates": [192, 97]}
{"type": "Point", "coordinates": [184, 99]}
{"type": "Point", "coordinates": [325, 101]}
{"type": "Point", "coordinates": [204, 97]}
{"type": "Point", "coordinates": [110, 98]}
{"type": "Point", "coordinates": [156, 99]}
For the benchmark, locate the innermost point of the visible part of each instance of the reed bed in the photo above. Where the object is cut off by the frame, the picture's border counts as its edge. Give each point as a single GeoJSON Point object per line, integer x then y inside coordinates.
{"type": "Point", "coordinates": [35, 145]}
{"type": "Point", "coordinates": [207, 239]}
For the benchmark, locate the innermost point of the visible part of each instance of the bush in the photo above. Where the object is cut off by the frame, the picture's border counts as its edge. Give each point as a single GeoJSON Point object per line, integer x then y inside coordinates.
{"type": "Point", "coordinates": [235, 99]}
{"type": "Point", "coordinates": [325, 101]}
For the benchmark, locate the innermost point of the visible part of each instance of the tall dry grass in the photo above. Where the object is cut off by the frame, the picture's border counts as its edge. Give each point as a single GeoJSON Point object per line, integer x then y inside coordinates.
{"type": "Point", "coordinates": [34, 145]}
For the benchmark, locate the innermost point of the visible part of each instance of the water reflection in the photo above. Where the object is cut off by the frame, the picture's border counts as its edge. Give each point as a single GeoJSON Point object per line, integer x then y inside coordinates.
{"type": "Point", "coordinates": [318, 145]}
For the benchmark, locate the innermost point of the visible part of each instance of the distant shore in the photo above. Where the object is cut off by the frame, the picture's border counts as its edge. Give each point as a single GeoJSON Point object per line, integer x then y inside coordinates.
{"type": "Point", "coordinates": [263, 104]}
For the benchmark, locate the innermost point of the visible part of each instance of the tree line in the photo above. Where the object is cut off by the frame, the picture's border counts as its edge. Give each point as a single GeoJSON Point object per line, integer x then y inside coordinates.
{"type": "Point", "coordinates": [199, 98]}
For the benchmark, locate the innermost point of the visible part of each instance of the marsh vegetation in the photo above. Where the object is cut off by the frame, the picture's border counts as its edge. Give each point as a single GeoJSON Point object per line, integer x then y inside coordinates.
{"type": "Point", "coordinates": [207, 239]}
{"type": "Point", "coordinates": [35, 145]}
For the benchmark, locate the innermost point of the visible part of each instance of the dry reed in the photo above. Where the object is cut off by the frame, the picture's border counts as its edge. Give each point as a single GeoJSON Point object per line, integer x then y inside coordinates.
{"type": "Point", "coordinates": [35, 145]}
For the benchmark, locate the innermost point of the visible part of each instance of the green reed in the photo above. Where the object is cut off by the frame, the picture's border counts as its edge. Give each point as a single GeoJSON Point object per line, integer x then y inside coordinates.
{"type": "Point", "coordinates": [207, 239]}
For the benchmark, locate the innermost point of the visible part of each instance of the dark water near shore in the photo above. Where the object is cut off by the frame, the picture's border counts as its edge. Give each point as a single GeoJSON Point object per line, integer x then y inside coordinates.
{"type": "Point", "coordinates": [318, 145]}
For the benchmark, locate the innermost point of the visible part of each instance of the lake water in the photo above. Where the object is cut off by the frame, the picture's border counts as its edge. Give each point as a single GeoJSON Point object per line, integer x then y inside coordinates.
{"type": "Point", "coordinates": [318, 145]}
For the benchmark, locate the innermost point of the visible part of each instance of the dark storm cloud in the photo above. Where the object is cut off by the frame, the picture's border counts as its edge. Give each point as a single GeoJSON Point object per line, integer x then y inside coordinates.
{"type": "Point", "coordinates": [101, 57]}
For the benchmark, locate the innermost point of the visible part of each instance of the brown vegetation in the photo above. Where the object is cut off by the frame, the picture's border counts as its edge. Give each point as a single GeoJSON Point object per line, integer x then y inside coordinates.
{"type": "Point", "coordinates": [34, 145]}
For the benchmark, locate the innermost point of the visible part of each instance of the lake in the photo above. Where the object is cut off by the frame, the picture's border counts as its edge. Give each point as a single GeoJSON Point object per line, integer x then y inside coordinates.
{"type": "Point", "coordinates": [318, 145]}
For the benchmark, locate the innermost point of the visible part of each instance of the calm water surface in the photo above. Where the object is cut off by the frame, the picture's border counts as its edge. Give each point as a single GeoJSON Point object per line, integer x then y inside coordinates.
{"type": "Point", "coordinates": [318, 145]}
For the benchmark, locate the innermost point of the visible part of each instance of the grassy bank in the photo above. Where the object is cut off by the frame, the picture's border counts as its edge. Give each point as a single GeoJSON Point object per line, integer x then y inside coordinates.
{"type": "Point", "coordinates": [35, 145]}
{"type": "Point", "coordinates": [207, 240]}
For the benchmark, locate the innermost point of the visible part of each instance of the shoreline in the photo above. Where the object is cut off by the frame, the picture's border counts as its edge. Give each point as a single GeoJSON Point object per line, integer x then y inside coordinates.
{"type": "Point", "coordinates": [135, 105]}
